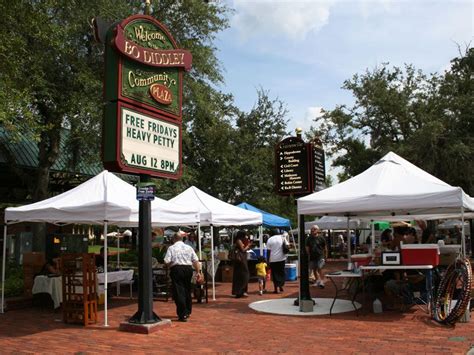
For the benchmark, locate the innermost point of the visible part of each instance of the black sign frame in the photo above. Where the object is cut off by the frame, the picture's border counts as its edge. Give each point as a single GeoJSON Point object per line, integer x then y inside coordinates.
{"type": "Point", "coordinates": [292, 163]}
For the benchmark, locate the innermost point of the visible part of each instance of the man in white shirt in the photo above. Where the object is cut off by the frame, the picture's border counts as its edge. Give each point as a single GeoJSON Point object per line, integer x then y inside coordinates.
{"type": "Point", "coordinates": [181, 258]}
{"type": "Point", "coordinates": [277, 260]}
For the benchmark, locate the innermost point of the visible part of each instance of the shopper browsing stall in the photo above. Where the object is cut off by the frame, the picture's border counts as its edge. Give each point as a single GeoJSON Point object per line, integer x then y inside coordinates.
{"type": "Point", "coordinates": [181, 258]}
{"type": "Point", "coordinates": [277, 260]}
{"type": "Point", "coordinates": [317, 251]}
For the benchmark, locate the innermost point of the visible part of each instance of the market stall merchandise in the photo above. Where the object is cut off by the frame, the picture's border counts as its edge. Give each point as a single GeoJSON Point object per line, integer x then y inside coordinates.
{"type": "Point", "coordinates": [105, 200]}
{"type": "Point", "coordinates": [215, 213]}
{"type": "Point", "coordinates": [391, 189]}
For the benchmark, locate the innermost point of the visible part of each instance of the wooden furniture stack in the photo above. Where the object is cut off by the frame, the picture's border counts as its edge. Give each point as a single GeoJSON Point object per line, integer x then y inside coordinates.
{"type": "Point", "coordinates": [79, 288]}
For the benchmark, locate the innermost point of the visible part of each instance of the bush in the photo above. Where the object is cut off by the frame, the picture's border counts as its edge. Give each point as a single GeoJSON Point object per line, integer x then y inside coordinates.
{"type": "Point", "coordinates": [14, 280]}
{"type": "Point", "coordinates": [130, 256]}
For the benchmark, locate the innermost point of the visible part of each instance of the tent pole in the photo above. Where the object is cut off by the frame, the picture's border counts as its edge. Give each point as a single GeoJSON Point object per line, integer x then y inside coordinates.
{"type": "Point", "coordinates": [260, 231]}
{"type": "Point", "coordinates": [118, 252]}
{"type": "Point", "coordinates": [463, 236]}
{"type": "Point", "coordinates": [106, 251]}
{"type": "Point", "coordinates": [199, 240]}
{"type": "Point", "coordinates": [348, 244]}
{"type": "Point", "coordinates": [372, 241]}
{"type": "Point", "coordinates": [3, 266]}
{"type": "Point", "coordinates": [213, 267]}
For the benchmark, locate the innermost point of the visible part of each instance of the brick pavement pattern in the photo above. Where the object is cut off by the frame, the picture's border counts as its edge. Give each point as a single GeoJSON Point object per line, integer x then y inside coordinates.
{"type": "Point", "coordinates": [228, 325]}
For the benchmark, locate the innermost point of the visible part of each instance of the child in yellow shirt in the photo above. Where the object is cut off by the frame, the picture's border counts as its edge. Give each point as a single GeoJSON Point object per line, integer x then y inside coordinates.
{"type": "Point", "coordinates": [261, 269]}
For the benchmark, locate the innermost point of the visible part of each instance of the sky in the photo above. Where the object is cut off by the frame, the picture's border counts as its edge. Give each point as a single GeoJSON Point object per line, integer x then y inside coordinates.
{"type": "Point", "coordinates": [302, 51]}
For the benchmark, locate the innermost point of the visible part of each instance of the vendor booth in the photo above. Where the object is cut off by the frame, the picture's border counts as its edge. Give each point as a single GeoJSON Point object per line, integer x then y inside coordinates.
{"type": "Point", "coordinates": [269, 219]}
{"type": "Point", "coordinates": [105, 200]}
{"type": "Point", "coordinates": [392, 189]}
{"type": "Point", "coordinates": [215, 213]}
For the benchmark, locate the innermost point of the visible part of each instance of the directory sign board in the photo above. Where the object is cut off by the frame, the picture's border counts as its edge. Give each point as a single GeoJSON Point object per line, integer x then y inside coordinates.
{"type": "Point", "coordinates": [318, 168]}
{"type": "Point", "coordinates": [292, 167]}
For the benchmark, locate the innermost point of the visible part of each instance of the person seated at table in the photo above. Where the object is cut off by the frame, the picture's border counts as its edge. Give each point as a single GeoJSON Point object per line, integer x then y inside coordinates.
{"type": "Point", "coordinates": [398, 294]}
{"type": "Point", "coordinates": [398, 238]}
{"type": "Point", "coordinates": [411, 236]}
{"type": "Point", "coordinates": [51, 267]}
{"type": "Point", "coordinates": [386, 239]}
{"type": "Point", "coordinates": [428, 236]}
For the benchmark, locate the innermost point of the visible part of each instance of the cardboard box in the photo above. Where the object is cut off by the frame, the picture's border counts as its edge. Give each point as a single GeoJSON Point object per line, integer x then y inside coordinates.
{"type": "Point", "coordinates": [420, 254]}
{"type": "Point", "coordinates": [227, 273]}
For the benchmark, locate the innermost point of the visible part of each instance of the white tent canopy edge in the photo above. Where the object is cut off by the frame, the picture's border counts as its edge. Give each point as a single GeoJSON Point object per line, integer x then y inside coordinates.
{"type": "Point", "coordinates": [104, 199]}
{"type": "Point", "coordinates": [391, 188]}
{"type": "Point", "coordinates": [216, 213]}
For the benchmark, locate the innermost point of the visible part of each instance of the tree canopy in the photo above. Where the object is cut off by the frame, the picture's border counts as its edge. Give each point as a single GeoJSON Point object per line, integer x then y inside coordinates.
{"type": "Point", "coordinates": [51, 72]}
{"type": "Point", "coordinates": [425, 118]}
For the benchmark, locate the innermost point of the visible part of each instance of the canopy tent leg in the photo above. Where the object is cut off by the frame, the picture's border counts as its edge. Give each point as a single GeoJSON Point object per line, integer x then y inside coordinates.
{"type": "Point", "coordinates": [463, 235]}
{"type": "Point", "coordinates": [3, 266]}
{"type": "Point", "coordinates": [260, 231]}
{"type": "Point", "coordinates": [349, 241]}
{"type": "Point", "coordinates": [106, 251]}
{"type": "Point", "coordinates": [199, 240]}
{"type": "Point", "coordinates": [372, 239]}
{"type": "Point", "coordinates": [212, 266]}
{"type": "Point", "coordinates": [118, 252]}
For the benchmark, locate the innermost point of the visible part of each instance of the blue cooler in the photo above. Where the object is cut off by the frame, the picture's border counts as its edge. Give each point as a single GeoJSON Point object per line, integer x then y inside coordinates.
{"type": "Point", "coordinates": [290, 272]}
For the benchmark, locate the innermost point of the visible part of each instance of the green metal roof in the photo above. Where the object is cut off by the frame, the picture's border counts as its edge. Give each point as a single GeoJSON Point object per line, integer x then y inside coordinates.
{"type": "Point", "coordinates": [25, 150]}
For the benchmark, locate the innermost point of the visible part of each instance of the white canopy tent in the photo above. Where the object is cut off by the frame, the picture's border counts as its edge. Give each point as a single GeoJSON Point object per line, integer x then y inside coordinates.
{"type": "Point", "coordinates": [214, 212]}
{"type": "Point", "coordinates": [389, 188]}
{"type": "Point", "coordinates": [336, 222]}
{"type": "Point", "coordinates": [452, 223]}
{"type": "Point", "coordinates": [104, 199]}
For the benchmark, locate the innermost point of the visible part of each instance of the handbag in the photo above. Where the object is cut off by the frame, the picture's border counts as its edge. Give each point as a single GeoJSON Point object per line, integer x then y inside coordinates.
{"type": "Point", "coordinates": [236, 255]}
{"type": "Point", "coordinates": [285, 248]}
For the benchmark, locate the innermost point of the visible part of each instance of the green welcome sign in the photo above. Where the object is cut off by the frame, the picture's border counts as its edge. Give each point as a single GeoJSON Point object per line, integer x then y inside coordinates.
{"type": "Point", "coordinates": [144, 66]}
{"type": "Point", "coordinates": [143, 88]}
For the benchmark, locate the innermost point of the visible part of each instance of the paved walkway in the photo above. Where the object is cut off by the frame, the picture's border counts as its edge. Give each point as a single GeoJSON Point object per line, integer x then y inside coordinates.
{"type": "Point", "coordinates": [228, 325]}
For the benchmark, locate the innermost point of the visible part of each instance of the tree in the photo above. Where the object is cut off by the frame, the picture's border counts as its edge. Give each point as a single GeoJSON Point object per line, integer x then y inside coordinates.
{"type": "Point", "coordinates": [424, 118]}
{"type": "Point", "coordinates": [50, 77]}
{"type": "Point", "coordinates": [254, 140]}
{"type": "Point", "coordinates": [51, 70]}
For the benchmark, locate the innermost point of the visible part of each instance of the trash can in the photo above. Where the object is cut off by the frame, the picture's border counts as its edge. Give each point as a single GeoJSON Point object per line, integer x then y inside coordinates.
{"type": "Point", "coordinates": [290, 272]}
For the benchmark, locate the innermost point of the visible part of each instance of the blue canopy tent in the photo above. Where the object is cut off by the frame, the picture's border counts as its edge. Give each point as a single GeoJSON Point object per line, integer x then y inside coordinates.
{"type": "Point", "coordinates": [269, 220]}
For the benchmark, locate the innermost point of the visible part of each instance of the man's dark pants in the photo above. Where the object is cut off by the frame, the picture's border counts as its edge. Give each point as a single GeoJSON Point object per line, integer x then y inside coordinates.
{"type": "Point", "coordinates": [181, 283]}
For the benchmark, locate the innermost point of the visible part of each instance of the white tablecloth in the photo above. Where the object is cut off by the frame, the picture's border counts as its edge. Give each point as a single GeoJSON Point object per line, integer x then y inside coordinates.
{"type": "Point", "coordinates": [51, 285]}
{"type": "Point", "coordinates": [115, 276]}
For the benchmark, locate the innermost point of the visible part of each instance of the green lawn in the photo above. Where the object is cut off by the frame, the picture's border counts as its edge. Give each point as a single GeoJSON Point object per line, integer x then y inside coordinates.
{"type": "Point", "coordinates": [96, 249]}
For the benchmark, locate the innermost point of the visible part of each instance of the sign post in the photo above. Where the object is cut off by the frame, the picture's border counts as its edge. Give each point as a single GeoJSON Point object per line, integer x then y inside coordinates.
{"type": "Point", "coordinates": [293, 177]}
{"type": "Point", "coordinates": [145, 314]}
{"type": "Point", "coordinates": [142, 128]}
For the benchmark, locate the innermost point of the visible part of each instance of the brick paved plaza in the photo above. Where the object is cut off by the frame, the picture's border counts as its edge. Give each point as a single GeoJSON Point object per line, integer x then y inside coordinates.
{"type": "Point", "coordinates": [228, 325]}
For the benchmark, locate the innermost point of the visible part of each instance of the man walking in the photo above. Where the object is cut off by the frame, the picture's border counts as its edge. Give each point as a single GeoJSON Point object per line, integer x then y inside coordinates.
{"type": "Point", "coordinates": [317, 251]}
{"type": "Point", "coordinates": [277, 260]}
{"type": "Point", "coordinates": [181, 258]}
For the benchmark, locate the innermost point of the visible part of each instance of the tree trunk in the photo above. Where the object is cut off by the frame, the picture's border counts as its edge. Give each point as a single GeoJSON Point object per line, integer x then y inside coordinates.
{"type": "Point", "coordinates": [47, 155]}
